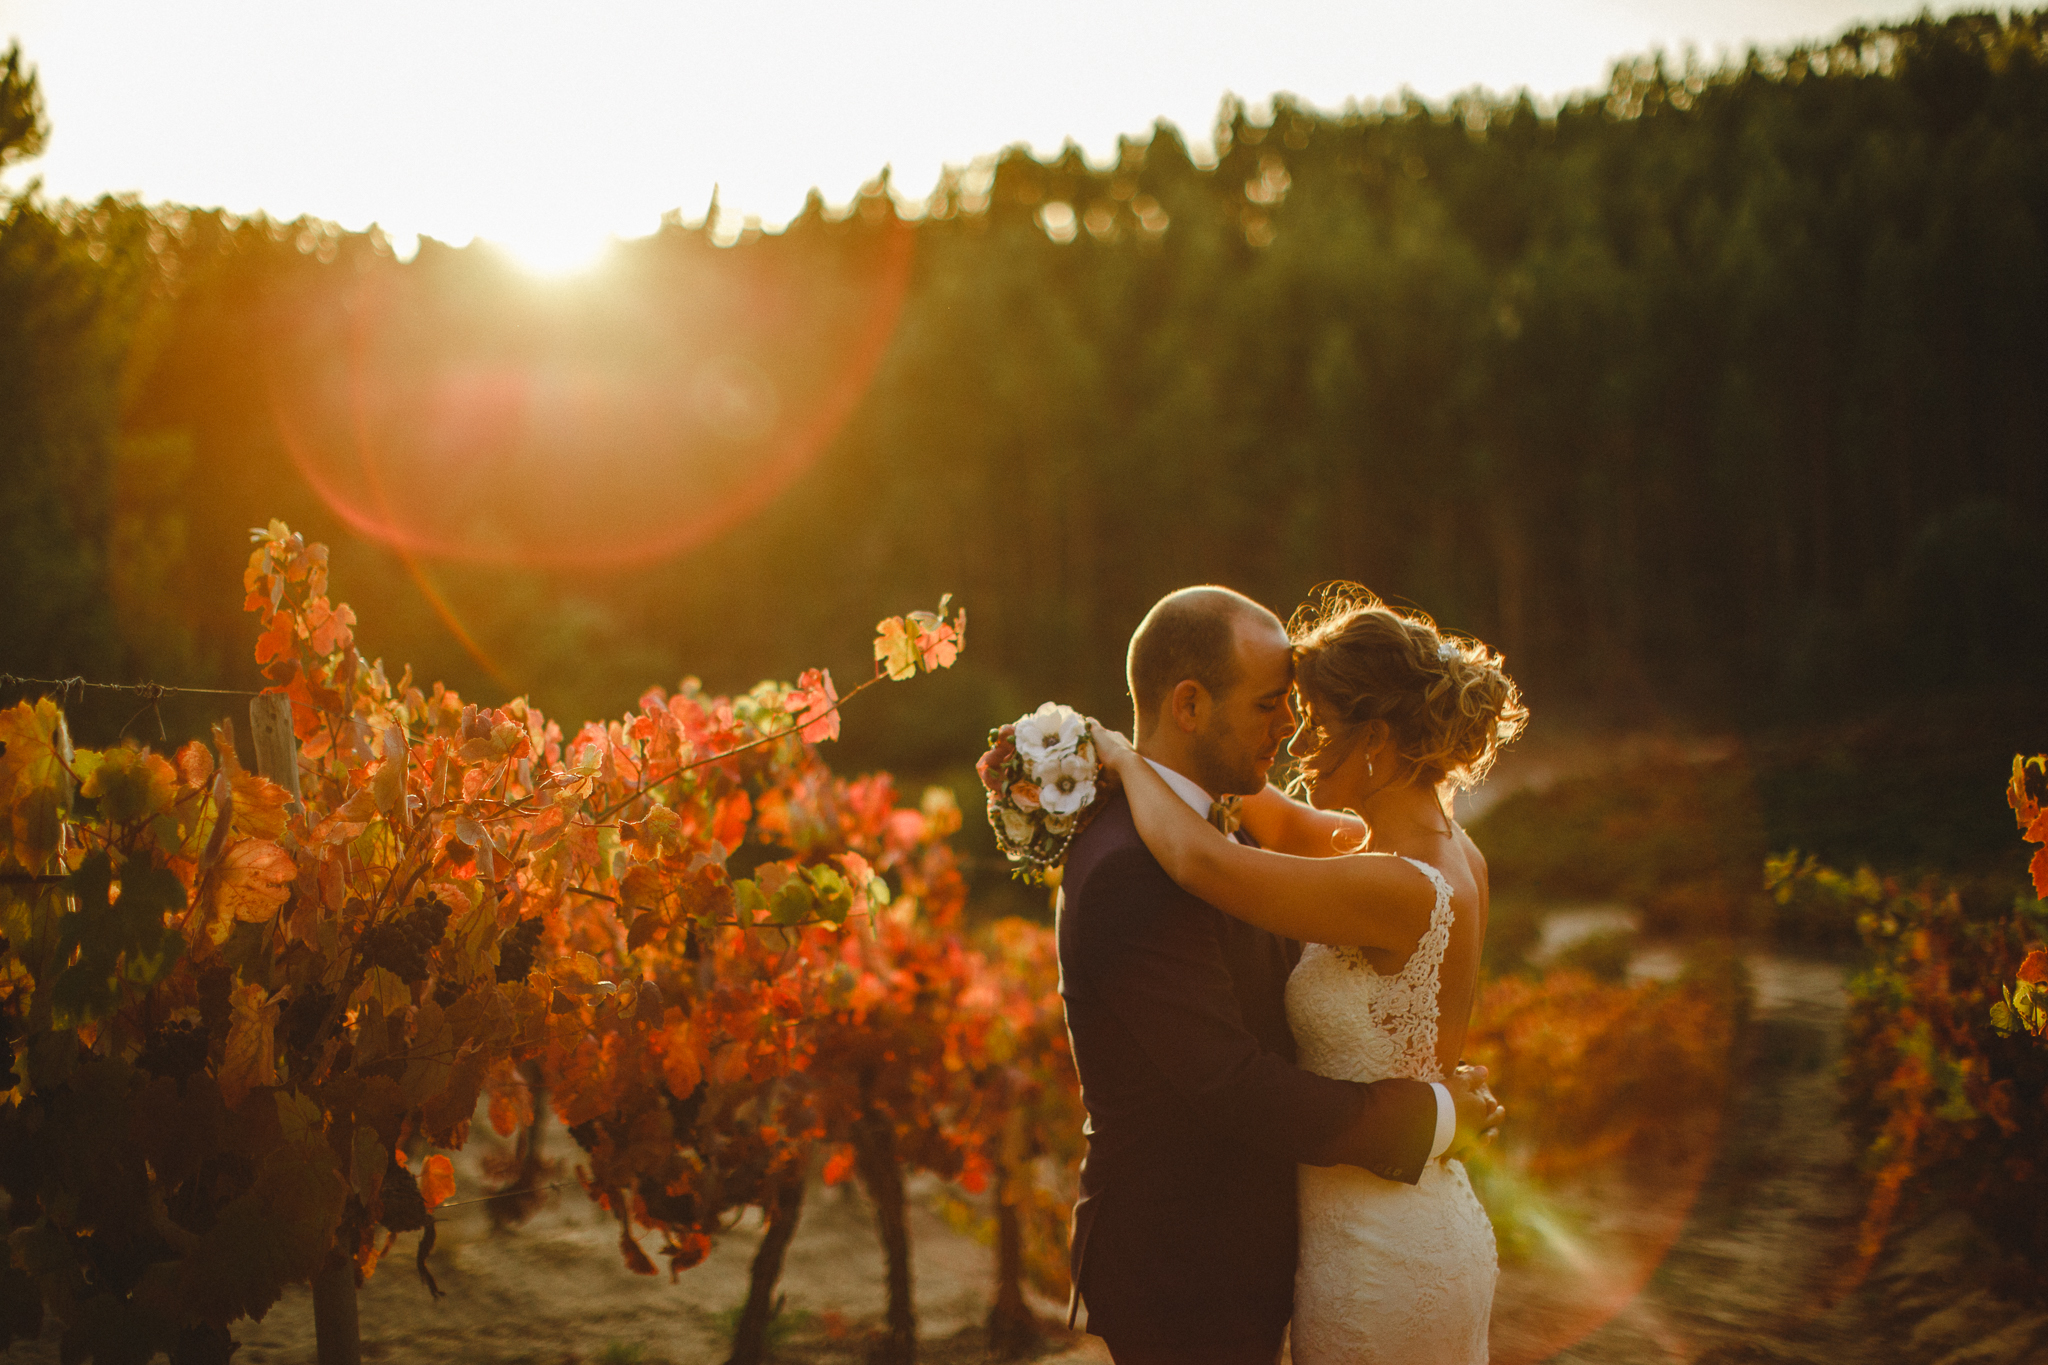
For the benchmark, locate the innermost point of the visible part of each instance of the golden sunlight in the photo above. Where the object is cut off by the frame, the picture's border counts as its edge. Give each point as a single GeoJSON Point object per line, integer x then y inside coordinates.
{"type": "Point", "coordinates": [647, 106]}
{"type": "Point", "coordinates": [554, 248]}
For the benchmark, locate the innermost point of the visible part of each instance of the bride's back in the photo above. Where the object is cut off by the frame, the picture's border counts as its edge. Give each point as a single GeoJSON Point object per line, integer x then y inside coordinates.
{"type": "Point", "coordinates": [1425, 710]}
{"type": "Point", "coordinates": [1353, 1019]}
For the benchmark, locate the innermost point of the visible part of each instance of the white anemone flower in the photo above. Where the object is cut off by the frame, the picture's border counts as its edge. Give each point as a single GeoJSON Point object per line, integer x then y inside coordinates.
{"type": "Point", "coordinates": [1066, 784]}
{"type": "Point", "coordinates": [1050, 732]}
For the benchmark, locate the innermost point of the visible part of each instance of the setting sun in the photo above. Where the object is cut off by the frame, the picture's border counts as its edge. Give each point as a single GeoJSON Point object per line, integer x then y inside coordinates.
{"type": "Point", "coordinates": [555, 249]}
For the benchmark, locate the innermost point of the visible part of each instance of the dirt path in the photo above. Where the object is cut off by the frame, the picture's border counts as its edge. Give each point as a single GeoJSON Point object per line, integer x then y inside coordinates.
{"type": "Point", "coordinates": [1775, 1217]}
{"type": "Point", "coordinates": [1756, 1272]}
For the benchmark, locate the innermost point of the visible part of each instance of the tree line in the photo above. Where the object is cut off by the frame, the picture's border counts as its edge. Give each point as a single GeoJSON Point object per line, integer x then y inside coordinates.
{"type": "Point", "coordinates": [1714, 393]}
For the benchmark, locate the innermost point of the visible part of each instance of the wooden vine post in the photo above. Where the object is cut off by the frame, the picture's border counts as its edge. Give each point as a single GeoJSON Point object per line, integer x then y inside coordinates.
{"type": "Point", "coordinates": [337, 1325]}
{"type": "Point", "coordinates": [277, 748]}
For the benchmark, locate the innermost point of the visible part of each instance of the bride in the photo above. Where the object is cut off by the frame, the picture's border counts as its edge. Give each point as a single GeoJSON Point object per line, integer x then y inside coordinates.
{"type": "Point", "coordinates": [1391, 897]}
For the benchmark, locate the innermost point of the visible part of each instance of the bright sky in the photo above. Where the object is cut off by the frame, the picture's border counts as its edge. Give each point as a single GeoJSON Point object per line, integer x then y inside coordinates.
{"type": "Point", "coordinates": [549, 126]}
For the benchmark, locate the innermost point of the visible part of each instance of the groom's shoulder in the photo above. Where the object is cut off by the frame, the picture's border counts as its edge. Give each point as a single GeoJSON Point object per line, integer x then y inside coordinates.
{"type": "Point", "coordinates": [1109, 858]}
{"type": "Point", "coordinates": [1111, 835]}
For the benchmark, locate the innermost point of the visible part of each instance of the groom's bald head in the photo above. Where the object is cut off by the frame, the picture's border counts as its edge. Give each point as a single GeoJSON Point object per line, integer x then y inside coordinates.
{"type": "Point", "coordinates": [1191, 634]}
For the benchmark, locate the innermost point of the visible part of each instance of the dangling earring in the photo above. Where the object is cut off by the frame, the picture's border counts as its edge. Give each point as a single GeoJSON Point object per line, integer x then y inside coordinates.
{"type": "Point", "coordinates": [1368, 768]}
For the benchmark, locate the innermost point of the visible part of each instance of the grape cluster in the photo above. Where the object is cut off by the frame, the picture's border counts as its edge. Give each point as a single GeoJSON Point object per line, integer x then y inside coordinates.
{"type": "Point", "coordinates": [405, 1208]}
{"type": "Point", "coordinates": [177, 1050]}
{"type": "Point", "coordinates": [516, 949]}
{"type": "Point", "coordinates": [400, 945]}
{"type": "Point", "coordinates": [304, 1015]}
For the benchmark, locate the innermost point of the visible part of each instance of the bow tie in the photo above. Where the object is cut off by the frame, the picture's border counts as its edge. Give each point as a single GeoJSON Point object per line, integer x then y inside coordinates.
{"type": "Point", "coordinates": [1223, 814]}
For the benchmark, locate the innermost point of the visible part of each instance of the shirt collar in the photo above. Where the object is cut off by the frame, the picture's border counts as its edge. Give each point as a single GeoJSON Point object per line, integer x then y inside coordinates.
{"type": "Point", "coordinates": [1186, 788]}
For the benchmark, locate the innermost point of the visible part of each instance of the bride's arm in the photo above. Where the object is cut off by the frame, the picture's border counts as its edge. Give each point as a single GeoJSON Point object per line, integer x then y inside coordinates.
{"type": "Point", "coordinates": [1285, 825]}
{"type": "Point", "coordinates": [1368, 900]}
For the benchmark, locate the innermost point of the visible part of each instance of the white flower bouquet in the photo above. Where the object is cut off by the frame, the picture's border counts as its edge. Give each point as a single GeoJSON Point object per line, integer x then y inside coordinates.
{"type": "Point", "coordinates": [1042, 775]}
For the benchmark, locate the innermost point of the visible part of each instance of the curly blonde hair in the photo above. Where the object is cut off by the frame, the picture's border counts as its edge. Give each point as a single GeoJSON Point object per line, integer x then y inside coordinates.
{"type": "Point", "coordinates": [1446, 700]}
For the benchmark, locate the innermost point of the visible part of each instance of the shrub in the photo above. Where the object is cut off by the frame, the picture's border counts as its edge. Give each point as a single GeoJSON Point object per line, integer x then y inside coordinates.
{"type": "Point", "coordinates": [1677, 836]}
{"type": "Point", "coordinates": [1939, 1093]}
{"type": "Point", "coordinates": [1604, 957]}
{"type": "Point", "coordinates": [1594, 1072]}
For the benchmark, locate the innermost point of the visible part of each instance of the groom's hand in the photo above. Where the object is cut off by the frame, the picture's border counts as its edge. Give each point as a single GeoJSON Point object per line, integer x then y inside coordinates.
{"type": "Point", "coordinates": [1479, 1113]}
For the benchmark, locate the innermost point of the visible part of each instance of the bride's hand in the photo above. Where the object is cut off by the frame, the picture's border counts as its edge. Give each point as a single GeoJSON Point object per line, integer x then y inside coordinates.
{"type": "Point", "coordinates": [1111, 747]}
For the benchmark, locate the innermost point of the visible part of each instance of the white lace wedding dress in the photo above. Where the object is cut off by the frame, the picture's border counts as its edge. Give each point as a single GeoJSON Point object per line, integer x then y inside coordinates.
{"type": "Point", "coordinates": [1389, 1272]}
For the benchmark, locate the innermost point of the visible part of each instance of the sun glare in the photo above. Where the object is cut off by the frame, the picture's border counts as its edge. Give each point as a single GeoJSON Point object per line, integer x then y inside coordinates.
{"type": "Point", "coordinates": [554, 250]}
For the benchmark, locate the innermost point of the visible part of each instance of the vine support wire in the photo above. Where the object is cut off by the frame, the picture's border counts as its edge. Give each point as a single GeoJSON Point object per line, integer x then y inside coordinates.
{"type": "Point", "coordinates": [151, 693]}
{"type": "Point", "coordinates": [270, 718]}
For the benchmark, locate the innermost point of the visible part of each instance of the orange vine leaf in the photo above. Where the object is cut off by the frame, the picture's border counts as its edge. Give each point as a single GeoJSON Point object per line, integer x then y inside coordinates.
{"type": "Point", "coordinates": [251, 1059]}
{"type": "Point", "coordinates": [254, 877]}
{"type": "Point", "coordinates": [437, 1180]}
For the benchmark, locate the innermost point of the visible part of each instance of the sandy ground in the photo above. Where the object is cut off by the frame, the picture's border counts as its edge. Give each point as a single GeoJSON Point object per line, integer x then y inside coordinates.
{"type": "Point", "coordinates": [555, 1291]}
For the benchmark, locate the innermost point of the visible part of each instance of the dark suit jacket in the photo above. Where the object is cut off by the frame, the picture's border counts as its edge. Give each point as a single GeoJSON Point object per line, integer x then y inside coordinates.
{"type": "Point", "coordinates": [1197, 1116]}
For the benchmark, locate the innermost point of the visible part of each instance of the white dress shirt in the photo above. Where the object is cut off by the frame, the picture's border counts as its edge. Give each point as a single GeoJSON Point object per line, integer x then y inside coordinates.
{"type": "Point", "coordinates": [1190, 791]}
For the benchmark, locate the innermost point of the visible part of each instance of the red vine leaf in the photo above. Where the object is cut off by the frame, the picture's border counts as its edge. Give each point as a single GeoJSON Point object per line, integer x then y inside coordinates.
{"type": "Point", "coordinates": [729, 825]}
{"type": "Point", "coordinates": [347, 820]}
{"type": "Point", "coordinates": [328, 626]}
{"type": "Point", "coordinates": [437, 1180]}
{"type": "Point", "coordinates": [680, 1065]}
{"type": "Point", "coordinates": [815, 705]}
{"type": "Point", "coordinates": [195, 764]}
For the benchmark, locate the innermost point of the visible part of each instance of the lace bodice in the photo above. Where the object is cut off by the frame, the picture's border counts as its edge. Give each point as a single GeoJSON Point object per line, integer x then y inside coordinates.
{"type": "Point", "coordinates": [1352, 1022]}
{"type": "Point", "coordinates": [1390, 1274]}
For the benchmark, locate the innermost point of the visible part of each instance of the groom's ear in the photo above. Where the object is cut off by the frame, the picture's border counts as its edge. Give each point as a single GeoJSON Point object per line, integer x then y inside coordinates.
{"type": "Point", "coordinates": [1187, 706]}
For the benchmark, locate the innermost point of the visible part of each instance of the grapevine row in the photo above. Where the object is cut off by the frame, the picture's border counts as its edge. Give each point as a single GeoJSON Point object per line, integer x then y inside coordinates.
{"type": "Point", "coordinates": [250, 1013]}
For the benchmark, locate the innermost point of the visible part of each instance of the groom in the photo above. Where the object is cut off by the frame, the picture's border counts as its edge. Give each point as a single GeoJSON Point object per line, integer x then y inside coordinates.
{"type": "Point", "coordinates": [1184, 1233]}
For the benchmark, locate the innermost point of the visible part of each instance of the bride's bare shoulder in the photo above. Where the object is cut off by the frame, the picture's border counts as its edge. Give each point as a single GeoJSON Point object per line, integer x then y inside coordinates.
{"type": "Point", "coordinates": [1468, 853]}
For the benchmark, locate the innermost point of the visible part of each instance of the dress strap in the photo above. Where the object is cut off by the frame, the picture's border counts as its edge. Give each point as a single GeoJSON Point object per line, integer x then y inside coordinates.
{"type": "Point", "coordinates": [1436, 879]}
{"type": "Point", "coordinates": [1428, 958]}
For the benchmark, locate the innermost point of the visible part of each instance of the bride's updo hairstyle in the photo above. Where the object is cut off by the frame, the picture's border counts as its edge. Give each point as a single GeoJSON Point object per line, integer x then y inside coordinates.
{"type": "Point", "coordinates": [1446, 701]}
